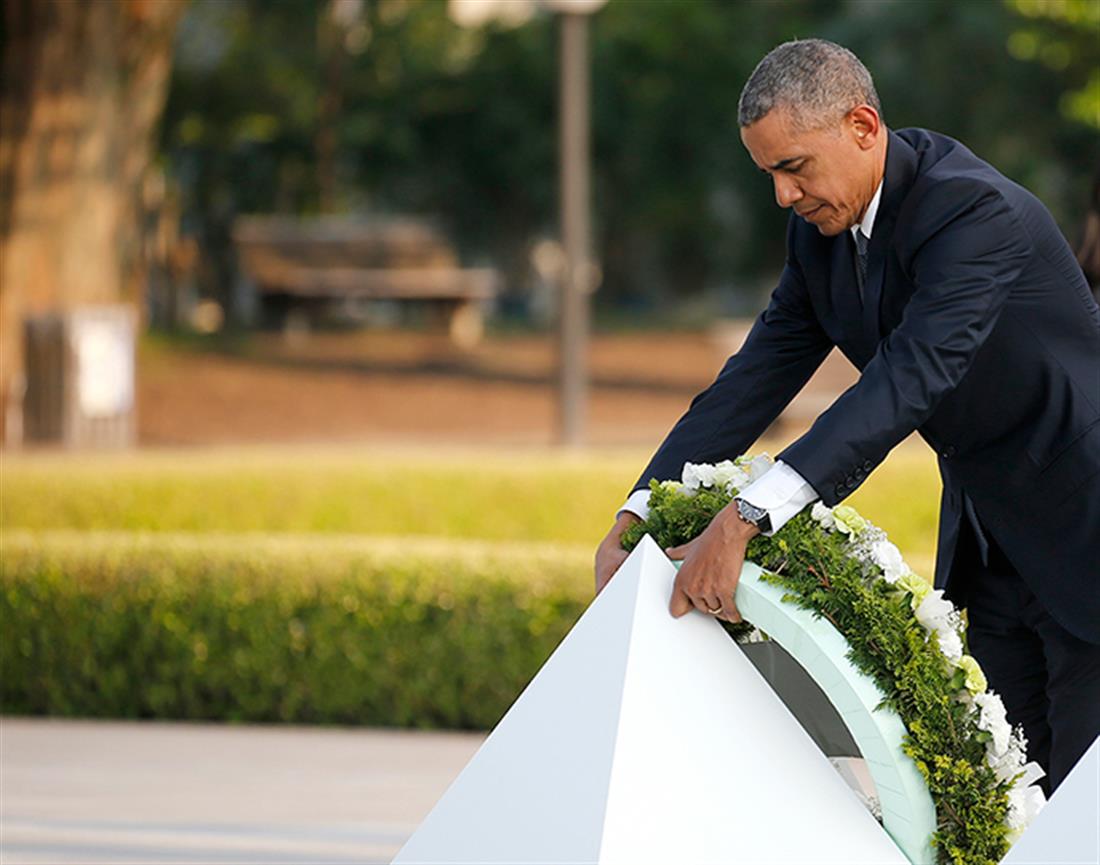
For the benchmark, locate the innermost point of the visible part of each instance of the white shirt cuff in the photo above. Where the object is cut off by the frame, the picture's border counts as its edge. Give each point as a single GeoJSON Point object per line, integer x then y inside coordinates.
{"type": "Point", "coordinates": [782, 492]}
{"type": "Point", "coordinates": [637, 503]}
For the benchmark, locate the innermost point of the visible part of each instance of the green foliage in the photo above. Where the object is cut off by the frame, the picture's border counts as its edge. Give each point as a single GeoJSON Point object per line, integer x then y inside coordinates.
{"type": "Point", "coordinates": [1064, 37]}
{"type": "Point", "coordinates": [307, 630]}
{"type": "Point", "coordinates": [675, 518]}
{"type": "Point", "coordinates": [886, 643]}
{"type": "Point", "coordinates": [460, 124]}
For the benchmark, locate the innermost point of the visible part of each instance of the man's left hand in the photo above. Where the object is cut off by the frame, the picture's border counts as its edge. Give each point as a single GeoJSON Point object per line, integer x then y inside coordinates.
{"type": "Point", "coordinates": [712, 566]}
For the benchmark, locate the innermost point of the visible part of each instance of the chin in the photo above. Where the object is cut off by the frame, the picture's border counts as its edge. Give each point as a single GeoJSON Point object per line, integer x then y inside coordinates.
{"type": "Point", "coordinates": [826, 222]}
{"type": "Point", "coordinates": [830, 229]}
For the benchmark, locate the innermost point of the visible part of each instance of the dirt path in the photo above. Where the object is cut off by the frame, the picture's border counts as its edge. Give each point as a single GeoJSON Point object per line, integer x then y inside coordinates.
{"type": "Point", "coordinates": [414, 387]}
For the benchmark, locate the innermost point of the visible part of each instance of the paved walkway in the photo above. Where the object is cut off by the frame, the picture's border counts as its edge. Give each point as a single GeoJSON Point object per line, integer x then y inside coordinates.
{"type": "Point", "coordinates": [111, 792]}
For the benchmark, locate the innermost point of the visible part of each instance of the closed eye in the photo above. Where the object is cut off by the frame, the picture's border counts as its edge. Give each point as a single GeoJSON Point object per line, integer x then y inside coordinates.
{"type": "Point", "coordinates": [787, 166]}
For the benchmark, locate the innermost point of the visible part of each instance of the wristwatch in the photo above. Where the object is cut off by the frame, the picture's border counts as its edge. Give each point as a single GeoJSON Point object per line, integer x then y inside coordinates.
{"type": "Point", "coordinates": [752, 514]}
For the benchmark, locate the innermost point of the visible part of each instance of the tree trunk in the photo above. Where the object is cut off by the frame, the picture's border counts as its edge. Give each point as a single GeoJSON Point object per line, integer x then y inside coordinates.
{"type": "Point", "coordinates": [83, 84]}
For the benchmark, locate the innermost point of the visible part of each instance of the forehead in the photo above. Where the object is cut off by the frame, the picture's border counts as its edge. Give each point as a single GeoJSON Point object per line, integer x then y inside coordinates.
{"type": "Point", "coordinates": [773, 140]}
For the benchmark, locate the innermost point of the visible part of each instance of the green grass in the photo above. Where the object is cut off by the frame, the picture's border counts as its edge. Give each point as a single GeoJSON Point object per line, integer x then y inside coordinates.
{"type": "Point", "coordinates": [519, 495]}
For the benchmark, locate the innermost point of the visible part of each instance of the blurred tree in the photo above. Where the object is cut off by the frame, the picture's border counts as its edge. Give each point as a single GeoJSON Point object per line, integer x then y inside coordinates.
{"type": "Point", "coordinates": [1063, 35]}
{"type": "Point", "coordinates": [82, 88]}
{"type": "Point", "coordinates": [459, 124]}
{"type": "Point", "coordinates": [681, 206]}
{"type": "Point", "coordinates": [241, 121]}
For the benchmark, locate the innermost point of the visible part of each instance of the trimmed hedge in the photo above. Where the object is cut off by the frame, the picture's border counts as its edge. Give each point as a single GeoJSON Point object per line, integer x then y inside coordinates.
{"type": "Point", "coordinates": [261, 628]}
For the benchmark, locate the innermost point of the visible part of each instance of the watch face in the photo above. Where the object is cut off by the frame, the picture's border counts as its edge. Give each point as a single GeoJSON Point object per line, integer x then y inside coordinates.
{"type": "Point", "coordinates": [750, 512]}
{"type": "Point", "coordinates": [757, 516]}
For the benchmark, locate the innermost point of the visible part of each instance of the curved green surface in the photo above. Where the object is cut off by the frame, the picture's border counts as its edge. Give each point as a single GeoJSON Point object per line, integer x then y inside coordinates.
{"type": "Point", "coordinates": [908, 814]}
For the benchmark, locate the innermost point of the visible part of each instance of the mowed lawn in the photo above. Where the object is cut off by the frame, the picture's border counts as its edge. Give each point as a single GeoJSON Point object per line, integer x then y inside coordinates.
{"type": "Point", "coordinates": [425, 496]}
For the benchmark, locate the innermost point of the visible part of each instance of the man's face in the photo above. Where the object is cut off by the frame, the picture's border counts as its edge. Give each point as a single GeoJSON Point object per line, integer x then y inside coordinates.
{"type": "Point", "coordinates": [827, 175]}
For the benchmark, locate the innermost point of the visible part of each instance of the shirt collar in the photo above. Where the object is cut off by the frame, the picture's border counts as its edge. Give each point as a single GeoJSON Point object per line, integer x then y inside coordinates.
{"type": "Point", "coordinates": [868, 222]}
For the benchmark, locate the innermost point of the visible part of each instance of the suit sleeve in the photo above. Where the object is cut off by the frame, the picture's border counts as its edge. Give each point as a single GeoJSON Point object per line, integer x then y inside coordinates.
{"type": "Point", "coordinates": [784, 347]}
{"type": "Point", "coordinates": [962, 274]}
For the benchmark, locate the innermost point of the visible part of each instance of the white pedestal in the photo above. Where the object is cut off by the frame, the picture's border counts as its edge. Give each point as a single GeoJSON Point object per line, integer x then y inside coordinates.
{"type": "Point", "coordinates": [649, 739]}
{"type": "Point", "coordinates": [1067, 830]}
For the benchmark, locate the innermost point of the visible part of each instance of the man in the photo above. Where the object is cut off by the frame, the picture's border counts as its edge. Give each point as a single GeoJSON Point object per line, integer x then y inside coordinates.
{"type": "Point", "coordinates": [952, 291]}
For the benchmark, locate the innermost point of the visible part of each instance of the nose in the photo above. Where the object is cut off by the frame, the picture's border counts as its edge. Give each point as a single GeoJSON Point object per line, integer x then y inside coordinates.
{"type": "Point", "coordinates": [786, 190]}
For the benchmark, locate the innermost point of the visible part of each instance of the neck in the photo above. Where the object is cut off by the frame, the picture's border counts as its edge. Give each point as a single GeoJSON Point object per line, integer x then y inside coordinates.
{"type": "Point", "coordinates": [876, 178]}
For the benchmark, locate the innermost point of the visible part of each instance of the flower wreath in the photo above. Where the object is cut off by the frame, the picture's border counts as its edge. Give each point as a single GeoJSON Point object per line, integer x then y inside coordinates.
{"type": "Point", "coordinates": [901, 632]}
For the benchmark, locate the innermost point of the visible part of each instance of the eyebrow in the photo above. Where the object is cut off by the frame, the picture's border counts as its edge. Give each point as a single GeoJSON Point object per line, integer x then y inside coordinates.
{"type": "Point", "coordinates": [783, 163]}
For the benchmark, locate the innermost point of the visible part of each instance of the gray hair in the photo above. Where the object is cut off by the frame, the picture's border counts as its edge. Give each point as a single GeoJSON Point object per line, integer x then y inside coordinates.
{"type": "Point", "coordinates": [816, 81]}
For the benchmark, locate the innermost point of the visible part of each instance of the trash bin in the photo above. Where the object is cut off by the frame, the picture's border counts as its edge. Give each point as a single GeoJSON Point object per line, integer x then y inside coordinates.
{"type": "Point", "coordinates": [80, 377]}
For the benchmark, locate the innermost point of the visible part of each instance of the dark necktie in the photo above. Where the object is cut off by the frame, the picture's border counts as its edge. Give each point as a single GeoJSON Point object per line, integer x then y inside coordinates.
{"type": "Point", "coordinates": [861, 260]}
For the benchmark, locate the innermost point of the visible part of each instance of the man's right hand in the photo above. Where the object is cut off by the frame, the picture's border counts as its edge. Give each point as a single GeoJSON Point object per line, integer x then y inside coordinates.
{"type": "Point", "coordinates": [610, 554]}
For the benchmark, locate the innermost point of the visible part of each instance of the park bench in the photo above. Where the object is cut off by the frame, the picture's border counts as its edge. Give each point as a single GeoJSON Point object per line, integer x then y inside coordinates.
{"type": "Point", "coordinates": [298, 267]}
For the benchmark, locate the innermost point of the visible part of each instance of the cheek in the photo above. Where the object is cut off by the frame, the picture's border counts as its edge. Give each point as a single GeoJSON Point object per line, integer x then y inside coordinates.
{"type": "Point", "coordinates": [833, 196]}
{"type": "Point", "coordinates": [819, 192]}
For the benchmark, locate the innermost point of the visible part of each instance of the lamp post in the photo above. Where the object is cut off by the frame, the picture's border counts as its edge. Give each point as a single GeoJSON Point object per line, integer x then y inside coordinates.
{"type": "Point", "coordinates": [578, 275]}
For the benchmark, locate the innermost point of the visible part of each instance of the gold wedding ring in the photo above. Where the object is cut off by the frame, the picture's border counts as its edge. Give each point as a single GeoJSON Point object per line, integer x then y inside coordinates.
{"type": "Point", "coordinates": [715, 611]}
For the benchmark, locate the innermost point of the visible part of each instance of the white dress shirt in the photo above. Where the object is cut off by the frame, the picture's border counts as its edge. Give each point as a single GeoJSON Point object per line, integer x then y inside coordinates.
{"type": "Point", "coordinates": [781, 491]}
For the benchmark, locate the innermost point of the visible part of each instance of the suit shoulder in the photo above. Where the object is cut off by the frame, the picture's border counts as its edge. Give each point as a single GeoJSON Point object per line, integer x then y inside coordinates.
{"type": "Point", "coordinates": [946, 164]}
{"type": "Point", "coordinates": [950, 181]}
{"type": "Point", "coordinates": [947, 170]}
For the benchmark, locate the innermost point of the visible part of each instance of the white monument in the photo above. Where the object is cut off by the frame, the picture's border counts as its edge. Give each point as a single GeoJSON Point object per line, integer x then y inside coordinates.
{"type": "Point", "coordinates": [649, 739]}
{"type": "Point", "coordinates": [1067, 830]}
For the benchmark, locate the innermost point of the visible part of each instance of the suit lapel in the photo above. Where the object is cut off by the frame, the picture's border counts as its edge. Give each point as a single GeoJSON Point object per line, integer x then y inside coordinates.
{"type": "Point", "coordinates": [901, 168]}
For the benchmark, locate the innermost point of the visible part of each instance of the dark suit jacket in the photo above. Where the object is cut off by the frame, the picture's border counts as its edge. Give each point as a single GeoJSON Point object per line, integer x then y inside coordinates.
{"type": "Point", "coordinates": [977, 330]}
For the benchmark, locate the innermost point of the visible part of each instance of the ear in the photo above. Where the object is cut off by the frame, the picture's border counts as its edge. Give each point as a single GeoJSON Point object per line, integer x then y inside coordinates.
{"type": "Point", "coordinates": [865, 126]}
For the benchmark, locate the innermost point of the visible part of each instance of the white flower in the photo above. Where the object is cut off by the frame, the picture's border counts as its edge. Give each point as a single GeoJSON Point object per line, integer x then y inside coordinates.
{"type": "Point", "coordinates": [1005, 766]}
{"type": "Point", "coordinates": [696, 475]}
{"type": "Point", "coordinates": [888, 557]}
{"type": "Point", "coordinates": [724, 471]}
{"type": "Point", "coordinates": [730, 476]}
{"type": "Point", "coordinates": [1017, 810]}
{"type": "Point", "coordinates": [933, 612]}
{"type": "Point", "coordinates": [994, 720]}
{"type": "Point", "coordinates": [760, 466]}
{"type": "Point", "coordinates": [950, 644]}
{"type": "Point", "coordinates": [737, 483]}
{"type": "Point", "coordinates": [823, 515]}
{"type": "Point", "coordinates": [672, 486]}
{"type": "Point", "coordinates": [1032, 772]}
{"type": "Point", "coordinates": [1011, 763]}
{"type": "Point", "coordinates": [1024, 805]}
